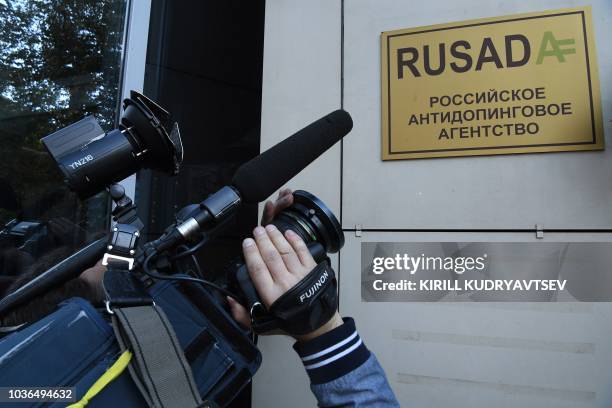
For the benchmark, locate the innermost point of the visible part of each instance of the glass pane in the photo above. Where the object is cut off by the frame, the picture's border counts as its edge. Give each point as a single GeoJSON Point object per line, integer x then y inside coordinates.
{"type": "Point", "coordinates": [213, 90]}
{"type": "Point", "coordinates": [59, 61]}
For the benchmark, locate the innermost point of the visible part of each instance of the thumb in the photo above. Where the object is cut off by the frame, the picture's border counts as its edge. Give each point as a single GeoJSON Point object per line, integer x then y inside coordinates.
{"type": "Point", "coordinates": [268, 213]}
{"type": "Point", "coordinates": [239, 313]}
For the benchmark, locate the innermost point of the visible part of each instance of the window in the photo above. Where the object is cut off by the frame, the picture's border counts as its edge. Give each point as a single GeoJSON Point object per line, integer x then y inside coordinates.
{"type": "Point", "coordinates": [213, 90]}
{"type": "Point", "coordinates": [59, 61]}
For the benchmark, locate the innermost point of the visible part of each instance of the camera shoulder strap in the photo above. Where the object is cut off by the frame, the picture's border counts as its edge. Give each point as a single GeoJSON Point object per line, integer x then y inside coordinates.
{"type": "Point", "coordinates": [159, 367]}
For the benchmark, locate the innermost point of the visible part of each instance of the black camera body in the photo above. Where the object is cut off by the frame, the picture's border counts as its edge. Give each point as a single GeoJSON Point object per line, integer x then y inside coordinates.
{"type": "Point", "coordinates": [302, 309]}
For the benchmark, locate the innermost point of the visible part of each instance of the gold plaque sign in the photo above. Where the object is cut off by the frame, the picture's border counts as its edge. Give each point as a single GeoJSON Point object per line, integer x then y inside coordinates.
{"type": "Point", "coordinates": [517, 84]}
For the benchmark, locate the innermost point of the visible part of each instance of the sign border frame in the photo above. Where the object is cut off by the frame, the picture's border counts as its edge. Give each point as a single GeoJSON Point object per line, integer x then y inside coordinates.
{"type": "Point", "coordinates": [588, 69]}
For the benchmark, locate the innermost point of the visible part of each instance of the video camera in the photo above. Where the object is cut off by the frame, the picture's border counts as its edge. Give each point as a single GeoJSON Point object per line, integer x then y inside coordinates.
{"type": "Point", "coordinates": [92, 161]}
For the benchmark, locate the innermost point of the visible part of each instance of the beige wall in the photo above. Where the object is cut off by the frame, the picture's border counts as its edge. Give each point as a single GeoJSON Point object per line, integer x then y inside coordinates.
{"type": "Point", "coordinates": [445, 354]}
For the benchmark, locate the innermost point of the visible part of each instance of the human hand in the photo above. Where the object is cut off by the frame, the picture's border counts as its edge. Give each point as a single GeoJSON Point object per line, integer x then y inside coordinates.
{"type": "Point", "coordinates": [276, 263]}
{"type": "Point", "coordinates": [95, 274]}
{"type": "Point", "coordinates": [271, 209]}
{"type": "Point", "coordinates": [284, 200]}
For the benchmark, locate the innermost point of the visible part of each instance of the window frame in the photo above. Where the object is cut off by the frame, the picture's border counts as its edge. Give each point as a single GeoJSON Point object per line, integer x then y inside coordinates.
{"type": "Point", "coordinates": [134, 58]}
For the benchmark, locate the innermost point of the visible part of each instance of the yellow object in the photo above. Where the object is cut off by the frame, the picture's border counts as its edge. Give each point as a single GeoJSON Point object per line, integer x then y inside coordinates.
{"type": "Point", "coordinates": [113, 372]}
{"type": "Point", "coordinates": [523, 83]}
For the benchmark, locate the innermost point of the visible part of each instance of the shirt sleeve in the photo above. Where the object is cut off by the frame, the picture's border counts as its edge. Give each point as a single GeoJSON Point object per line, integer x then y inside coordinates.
{"type": "Point", "coordinates": [343, 372]}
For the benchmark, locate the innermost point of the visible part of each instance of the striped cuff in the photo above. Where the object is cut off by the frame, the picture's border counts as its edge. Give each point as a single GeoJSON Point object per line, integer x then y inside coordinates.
{"type": "Point", "coordinates": [333, 354]}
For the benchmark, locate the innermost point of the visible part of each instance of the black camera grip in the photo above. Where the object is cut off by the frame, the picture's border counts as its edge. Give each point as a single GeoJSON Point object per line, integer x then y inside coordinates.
{"type": "Point", "coordinates": [242, 280]}
{"type": "Point", "coordinates": [309, 304]}
{"type": "Point", "coordinates": [302, 309]}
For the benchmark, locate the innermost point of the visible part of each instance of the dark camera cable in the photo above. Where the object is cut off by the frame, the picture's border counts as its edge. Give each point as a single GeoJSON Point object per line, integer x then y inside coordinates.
{"type": "Point", "coordinates": [159, 276]}
{"type": "Point", "coordinates": [189, 251]}
{"type": "Point", "coordinates": [198, 272]}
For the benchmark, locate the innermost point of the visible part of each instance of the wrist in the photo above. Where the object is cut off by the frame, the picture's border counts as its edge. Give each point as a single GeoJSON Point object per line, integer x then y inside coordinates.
{"type": "Point", "coordinates": [333, 354]}
{"type": "Point", "coordinates": [335, 321]}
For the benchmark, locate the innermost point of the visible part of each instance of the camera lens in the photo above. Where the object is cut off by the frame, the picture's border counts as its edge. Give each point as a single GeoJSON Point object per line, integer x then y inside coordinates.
{"type": "Point", "coordinates": [308, 217]}
{"type": "Point", "coordinates": [312, 220]}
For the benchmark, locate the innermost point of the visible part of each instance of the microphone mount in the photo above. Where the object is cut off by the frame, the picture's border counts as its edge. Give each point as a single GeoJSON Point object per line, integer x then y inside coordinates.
{"type": "Point", "coordinates": [124, 236]}
{"type": "Point", "coordinates": [211, 213]}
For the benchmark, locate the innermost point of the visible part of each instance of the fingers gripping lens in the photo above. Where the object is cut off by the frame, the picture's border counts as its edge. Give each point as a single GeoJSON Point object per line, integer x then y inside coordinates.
{"type": "Point", "coordinates": [311, 302]}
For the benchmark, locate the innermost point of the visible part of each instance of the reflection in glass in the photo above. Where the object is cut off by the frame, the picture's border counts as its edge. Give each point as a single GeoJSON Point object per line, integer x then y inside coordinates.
{"type": "Point", "coordinates": [59, 61]}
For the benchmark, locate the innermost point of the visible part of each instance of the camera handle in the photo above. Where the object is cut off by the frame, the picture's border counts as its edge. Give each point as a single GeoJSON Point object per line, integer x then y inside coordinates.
{"type": "Point", "coordinates": [124, 236]}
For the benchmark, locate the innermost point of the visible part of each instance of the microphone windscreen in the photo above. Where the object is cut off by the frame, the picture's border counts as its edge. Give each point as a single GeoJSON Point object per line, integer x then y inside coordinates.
{"type": "Point", "coordinates": [260, 177]}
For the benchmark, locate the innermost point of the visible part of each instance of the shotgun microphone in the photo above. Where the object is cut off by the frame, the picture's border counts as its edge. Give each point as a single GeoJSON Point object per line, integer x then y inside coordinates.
{"type": "Point", "coordinates": [260, 177]}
